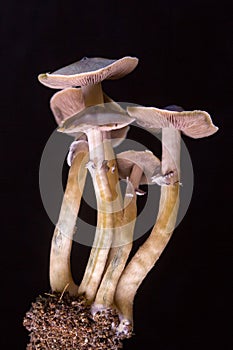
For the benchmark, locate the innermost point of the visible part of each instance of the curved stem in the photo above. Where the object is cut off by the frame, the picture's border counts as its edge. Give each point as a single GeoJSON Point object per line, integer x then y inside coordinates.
{"type": "Point", "coordinates": [60, 271]}
{"type": "Point", "coordinates": [147, 255]}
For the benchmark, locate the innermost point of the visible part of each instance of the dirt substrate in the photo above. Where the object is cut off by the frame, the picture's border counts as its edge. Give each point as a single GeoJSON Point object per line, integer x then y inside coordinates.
{"type": "Point", "coordinates": [62, 322]}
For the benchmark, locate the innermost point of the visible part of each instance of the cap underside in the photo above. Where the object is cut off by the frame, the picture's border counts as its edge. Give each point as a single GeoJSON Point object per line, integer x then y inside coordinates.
{"type": "Point", "coordinates": [195, 124]}
{"type": "Point", "coordinates": [88, 71]}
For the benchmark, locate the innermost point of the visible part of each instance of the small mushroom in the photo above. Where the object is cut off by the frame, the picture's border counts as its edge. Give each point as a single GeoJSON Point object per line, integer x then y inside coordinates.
{"type": "Point", "coordinates": [144, 160]}
{"type": "Point", "coordinates": [60, 271]}
{"type": "Point", "coordinates": [195, 124]}
{"type": "Point", "coordinates": [137, 168]}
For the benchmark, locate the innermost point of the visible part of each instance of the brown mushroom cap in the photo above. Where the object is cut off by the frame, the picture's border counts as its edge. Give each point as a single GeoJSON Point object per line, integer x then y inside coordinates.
{"type": "Point", "coordinates": [101, 116]}
{"type": "Point", "coordinates": [88, 71]}
{"type": "Point", "coordinates": [145, 160]}
{"type": "Point", "coordinates": [195, 124]}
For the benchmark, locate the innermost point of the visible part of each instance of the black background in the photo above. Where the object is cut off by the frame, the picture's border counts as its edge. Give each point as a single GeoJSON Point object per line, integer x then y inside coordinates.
{"type": "Point", "coordinates": [185, 57]}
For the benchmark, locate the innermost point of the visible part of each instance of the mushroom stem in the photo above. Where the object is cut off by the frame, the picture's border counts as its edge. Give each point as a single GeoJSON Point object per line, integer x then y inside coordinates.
{"type": "Point", "coordinates": [96, 149]}
{"type": "Point", "coordinates": [60, 271]}
{"type": "Point", "coordinates": [112, 173]}
{"type": "Point", "coordinates": [135, 176]}
{"type": "Point", "coordinates": [147, 255]}
{"type": "Point", "coordinates": [171, 153]}
{"type": "Point", "coordinates": [104, 229]}
{"type": "Point", "coordinates": [119, 253]}
{"type": "Point", "coordinates": [92, 94]}
{"type": "Point", "coordinates": [113, 178]}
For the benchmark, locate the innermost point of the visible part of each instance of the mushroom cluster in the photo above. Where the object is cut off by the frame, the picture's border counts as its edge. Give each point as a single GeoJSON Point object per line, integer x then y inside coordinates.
{"type": "Point", "coordinates": [99, 312]}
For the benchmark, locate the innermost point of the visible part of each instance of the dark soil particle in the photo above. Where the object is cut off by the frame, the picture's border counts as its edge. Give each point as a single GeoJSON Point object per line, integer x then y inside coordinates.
{"type": "Point", "coordinates": [63, 322]}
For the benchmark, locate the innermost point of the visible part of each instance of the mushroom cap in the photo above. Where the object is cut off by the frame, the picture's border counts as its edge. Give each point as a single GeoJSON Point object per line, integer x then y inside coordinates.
{"type": "Point", "coordinates": [174, 108]}
{"type": "Point", "coordinates": [66, 103]}
{"type": "Point", "coordinates": [146, 160]}
{"type": "Point", "coordinates": [195, 124]}
{"type": "Point", "coordinates": [102, 116]}
{"type": "Point", "coordinates": [89, 71]}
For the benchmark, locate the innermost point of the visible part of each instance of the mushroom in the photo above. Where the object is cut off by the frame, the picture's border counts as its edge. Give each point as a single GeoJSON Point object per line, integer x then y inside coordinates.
{"type": "Point", "coordinates": [137, 168]}
{"type": "Point", "coordinates": [93, 122]}
{"type": "Point", "coordinates": [145, 160]}
{"type": "Point", "coordinates": [195, 124]}
{"type": "Point", "coordinates": [60, 272]}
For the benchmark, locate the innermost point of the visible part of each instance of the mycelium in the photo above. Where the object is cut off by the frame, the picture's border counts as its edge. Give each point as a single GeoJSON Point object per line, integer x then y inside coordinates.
{"type": "Point", "coordinates": [99, 313]}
